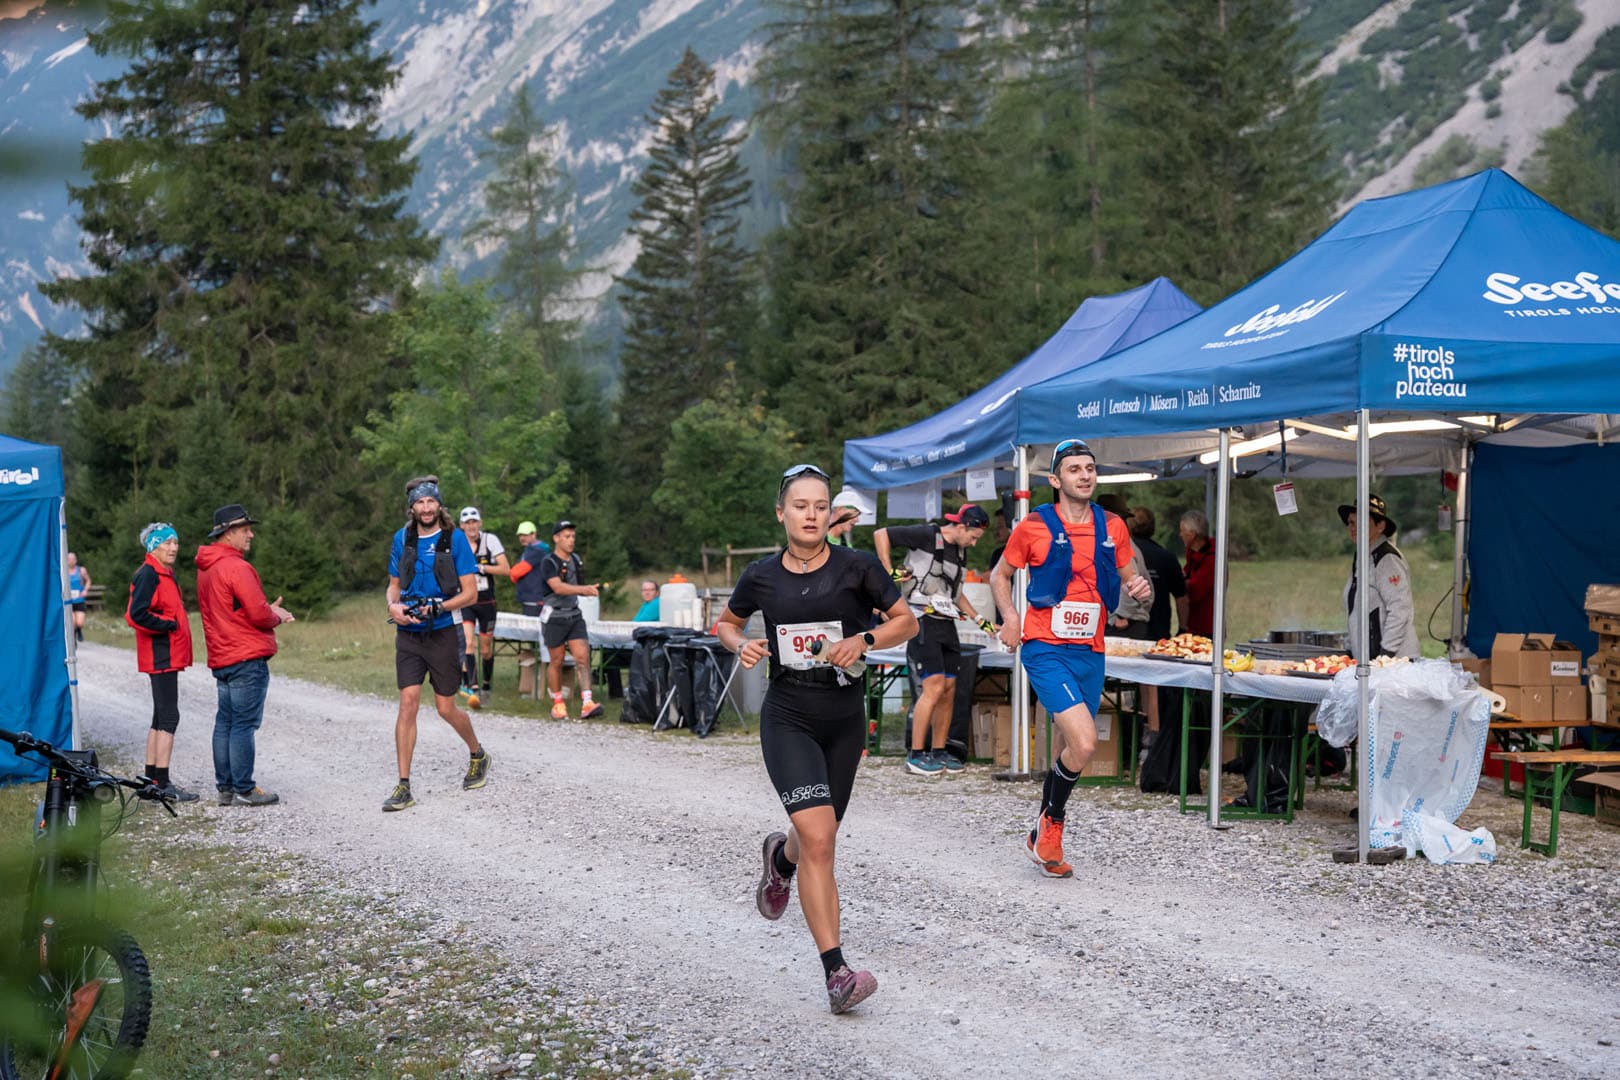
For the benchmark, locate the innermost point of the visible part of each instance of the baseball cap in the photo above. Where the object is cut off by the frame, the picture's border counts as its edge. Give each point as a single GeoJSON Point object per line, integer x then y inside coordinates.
{"type": "Point", "coordinates": [470, 513]}
{"type": "Point", "coordinates": [560, 526]}
{"type": "Point", "coordinates": [1069, 448]}
{"type": "Point", "coordinates": [970, 514]}
{"type": "Point", "coordinates": [526, 528]}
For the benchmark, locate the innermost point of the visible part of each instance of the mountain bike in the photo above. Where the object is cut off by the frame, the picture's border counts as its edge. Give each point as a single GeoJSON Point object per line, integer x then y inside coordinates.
{"type": "Point", "coordinates": [81, 990]}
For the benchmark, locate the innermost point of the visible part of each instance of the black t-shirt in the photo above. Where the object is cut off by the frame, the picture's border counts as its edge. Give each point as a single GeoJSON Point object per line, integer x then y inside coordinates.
{"type": "Point", "coordinates": [1165, 573]}
{"type": "Point", "coordinates": [572, 572]}
{"type": "Point", "coordinates": [845, 588]}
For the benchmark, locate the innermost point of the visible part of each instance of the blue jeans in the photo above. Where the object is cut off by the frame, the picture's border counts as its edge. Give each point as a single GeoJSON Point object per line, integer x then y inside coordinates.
{"type": "Point", "coordinates": [242, 688]}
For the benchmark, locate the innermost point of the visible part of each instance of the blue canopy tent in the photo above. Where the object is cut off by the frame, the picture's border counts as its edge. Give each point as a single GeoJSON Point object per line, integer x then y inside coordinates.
{"type": "Point", "coordinates": [1456, 312]}
{"type": "Point", "coordinates": [35, 635]}
{"type": "Point", "coordinates": [979, 430]}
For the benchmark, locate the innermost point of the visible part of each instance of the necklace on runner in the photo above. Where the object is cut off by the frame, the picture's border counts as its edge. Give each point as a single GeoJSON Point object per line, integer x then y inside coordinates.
{"type": "Point", "coordinates": [804, 564]}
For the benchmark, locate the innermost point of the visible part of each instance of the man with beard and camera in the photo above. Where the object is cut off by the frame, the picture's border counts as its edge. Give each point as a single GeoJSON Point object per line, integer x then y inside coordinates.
{"type": "Point", "coordinates": [431, 571]}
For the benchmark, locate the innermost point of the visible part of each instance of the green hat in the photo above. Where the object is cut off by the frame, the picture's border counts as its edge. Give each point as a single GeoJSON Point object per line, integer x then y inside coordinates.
{"type": "Point", "coordinates": [526, 528]}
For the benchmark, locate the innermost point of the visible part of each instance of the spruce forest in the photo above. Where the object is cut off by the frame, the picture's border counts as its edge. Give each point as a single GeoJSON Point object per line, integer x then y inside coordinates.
{"type": "Point", "coordinates": [266, 324]}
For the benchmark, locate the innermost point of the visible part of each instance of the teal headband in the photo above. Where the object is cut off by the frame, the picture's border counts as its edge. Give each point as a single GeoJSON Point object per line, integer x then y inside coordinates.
{"type": "Point", "coordinates": [156, 533]}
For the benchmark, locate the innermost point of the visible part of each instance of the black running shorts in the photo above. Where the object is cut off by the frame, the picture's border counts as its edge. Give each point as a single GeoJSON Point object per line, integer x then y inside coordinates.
{"type": "Point", "coordinates": [812, 738]}
{"type": "Point", "coordinates": [429, 654]}
{"type": "Point", "coordinates": [936, 650]}
{"type": "Point", "coordinates": [563, 626]}
{"type": "Point", "coordinates": [482, 613]}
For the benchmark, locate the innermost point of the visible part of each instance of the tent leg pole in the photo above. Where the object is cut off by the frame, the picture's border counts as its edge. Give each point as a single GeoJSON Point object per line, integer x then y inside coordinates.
{"type": "Point", "coordinates": [1018, 760]}
{"type": "Point", "coordinates": [1223, 496]}
{"type": "Point", "coordinates": [1358, 634]}
{"type": "Point", "coordinates": [69, 640]}
{"type": "Point", "coordinates": [1459, 526]}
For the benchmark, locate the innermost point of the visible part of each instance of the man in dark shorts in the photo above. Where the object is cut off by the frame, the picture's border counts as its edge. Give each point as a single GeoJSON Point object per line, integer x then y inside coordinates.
{"type": "Point", "coordinates": [478, 621]}
{"type": "Point", "coordinates": [562, 624]}
{"type": "Point", "coordinates": [430, 575]}
{"type": "Point", "coordinates": [931, 579]}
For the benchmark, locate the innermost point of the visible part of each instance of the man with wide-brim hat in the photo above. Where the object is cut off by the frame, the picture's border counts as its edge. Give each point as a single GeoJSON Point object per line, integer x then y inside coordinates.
{"type": "Point", "coordinates": [239, 626]}
{"type": "Point", "coordinates": [1391, 620]}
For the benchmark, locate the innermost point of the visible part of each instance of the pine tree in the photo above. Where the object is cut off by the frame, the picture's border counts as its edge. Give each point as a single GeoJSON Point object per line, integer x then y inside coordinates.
{"type": "Point", "coordinates": [245, 230]}
{"type": "Point", "coordinates": [526, 201]}
{"type": "Point", "coordinates": [686, 297]}
{"type": "Point", "coordinates": [1063, 200]}
{"type": "Point", "coordinates": [880, 310]}
{"type": "Point", "coordinates": [1233, 166]}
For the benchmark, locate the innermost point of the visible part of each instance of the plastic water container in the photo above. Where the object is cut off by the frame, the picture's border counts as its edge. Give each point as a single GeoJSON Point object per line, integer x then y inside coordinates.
{"type": "Point", "coordinates": [678, 603]}
{"type": "Point", "coordinates": [591, 608]}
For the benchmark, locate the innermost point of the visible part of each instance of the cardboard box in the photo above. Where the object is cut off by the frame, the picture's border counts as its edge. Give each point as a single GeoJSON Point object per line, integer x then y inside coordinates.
{"type": "Point", "coordinates": [1105, 762]}
{"type": "Point", "coordinates": [983, 738]}
{"type": "Point", "coordinates": [1529, 703]}
{"type": "Point", "coordinates": [1481, 670]}
{"type": "Point", "coordinates": [1608, 644]}
{"type": "Point", "coordinates": [1603, 599]}
{"type": "Point", "coordinates": [1569, 704]}
{"type": "Point", "coordinates": [1606, 790]}
{"type": "Point", "coordinates": [1605, 625]}
{"type": "Point", "coordinates": [1533, 660]}
{"type": "Point", "coordinates": [1002, 740]}
{"type": "Point", "coordinates": [1606, 666]}
{"type": "Point", "coordinates": [1565, 664]}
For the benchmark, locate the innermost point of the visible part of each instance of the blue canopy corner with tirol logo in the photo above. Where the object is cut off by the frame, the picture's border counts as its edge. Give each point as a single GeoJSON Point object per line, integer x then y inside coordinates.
{"type": "Point", "coordinates": [1473, 296]}
{"type": "Point", "coordinates": [980, 429]}
{"type": "Point", "coordinates": [36, 694]}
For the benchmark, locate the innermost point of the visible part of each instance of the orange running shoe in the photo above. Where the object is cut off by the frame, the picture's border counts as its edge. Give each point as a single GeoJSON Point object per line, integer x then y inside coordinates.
{"type": "Point", "coordinates": [1045, 847]}
{"type": "Point", "coordinates": [559, 711]}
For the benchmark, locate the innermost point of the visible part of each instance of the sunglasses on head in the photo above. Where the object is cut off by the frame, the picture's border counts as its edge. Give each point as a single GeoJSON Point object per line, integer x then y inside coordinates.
{"type": "Point", "coordinates": [1069, 448]}
{"type": "Point", "coordinates": [802, 470]}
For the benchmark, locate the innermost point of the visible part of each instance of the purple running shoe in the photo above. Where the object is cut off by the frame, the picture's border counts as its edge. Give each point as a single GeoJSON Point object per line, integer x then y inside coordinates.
{"type": "Point", "coordinates": [774, 889]}
{"type": "Point", "coordinates": [847, 989]}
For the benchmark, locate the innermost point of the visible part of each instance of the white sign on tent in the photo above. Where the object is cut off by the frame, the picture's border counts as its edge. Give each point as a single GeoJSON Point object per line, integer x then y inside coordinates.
{"type": "Point", "coordinates": [915, 501]}
{"type": "Point", "coordinates": [981, 483]}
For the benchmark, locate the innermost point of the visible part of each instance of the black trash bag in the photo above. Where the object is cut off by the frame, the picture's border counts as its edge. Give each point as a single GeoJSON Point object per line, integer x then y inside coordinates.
{"type": "Point", "coordinates": [649, 680]}
{"type": "Point", "coordinates": [1161, 771]}
{"type": "Point", "coordinates": [711, 666]}
{"type": "Point", "coordinates": [676, 688]}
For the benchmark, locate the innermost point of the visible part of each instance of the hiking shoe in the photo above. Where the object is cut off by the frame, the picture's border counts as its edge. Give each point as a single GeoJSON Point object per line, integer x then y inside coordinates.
{"type": "Point", "coordinates": [847, 989]}
{"type": "Point", "coordinates": [559, 711]}
{"type": "Point", "coordinates": [400, 799]}
{"type": "Point", "coordinates": [774, 889]}
{"type": "Point", "coordinates": [923, 763]}
{"type": "Point", "coordinates": [226, 796]}
{"type": "Point", "coordinates": [477, 770]}
{"type": "Point", "coordinates": [948, 761]}
{"type": "Point", "coordinates": [177, 793]}
{"type": "Point", "coordinates": [592, 711]}
{"type": "Point", "coordinates": [257, 797]}
{"type": "Point", "coordinates": [473, 701]}
{"type": "Point", "coordinates": [1045, 846]}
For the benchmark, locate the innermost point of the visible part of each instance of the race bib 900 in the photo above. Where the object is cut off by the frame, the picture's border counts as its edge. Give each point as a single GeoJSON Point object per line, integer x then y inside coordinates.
{"type": "Point", "coordinates": [1074, 621]}
{"type": "Point", "coordinates": [795, 640]}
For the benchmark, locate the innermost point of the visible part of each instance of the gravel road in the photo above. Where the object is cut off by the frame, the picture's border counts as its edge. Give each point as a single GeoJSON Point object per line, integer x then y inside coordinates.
{"type": "Point", "coordinates": [620, 866]}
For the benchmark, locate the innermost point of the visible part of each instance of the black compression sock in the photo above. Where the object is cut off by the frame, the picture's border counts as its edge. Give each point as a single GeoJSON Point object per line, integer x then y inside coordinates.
{"type": "Point", "coordinates": [151, 771]}
{"type": "Point", "coordinates": [469, 670]}
{"type": "Point", "coordinates": [832, 960]}
{"type": "Point", "coordinates": [489, 671]}
{"type": "Point", "coordinates": [160, 777]}
{"type": "Point", "coordinates": [1059, 785]}
{"type": "Point", "coordinates": [780, 860]}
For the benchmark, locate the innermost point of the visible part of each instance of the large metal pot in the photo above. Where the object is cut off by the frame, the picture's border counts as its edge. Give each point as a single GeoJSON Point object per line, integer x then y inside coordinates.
{"type": "Point", "coordinates": [1291, 637]}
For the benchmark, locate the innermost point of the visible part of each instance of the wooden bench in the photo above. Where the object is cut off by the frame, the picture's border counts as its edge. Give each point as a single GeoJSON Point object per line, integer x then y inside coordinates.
{"type": "Point", "coordinates": [1514, 734]}
{"type": "Point", "coordinates": [1561, 765]}
{"type": "Point", "coordinates": [95, 597]}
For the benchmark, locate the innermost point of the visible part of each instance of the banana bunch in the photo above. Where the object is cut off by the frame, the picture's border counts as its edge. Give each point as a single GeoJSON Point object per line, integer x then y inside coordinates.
{"type": "Point", "coordinates": [1236, 661]}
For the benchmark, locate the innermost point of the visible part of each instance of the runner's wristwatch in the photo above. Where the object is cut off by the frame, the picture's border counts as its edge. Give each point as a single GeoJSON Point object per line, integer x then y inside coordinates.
{"type": "Point", "coordinates": [870, 639]}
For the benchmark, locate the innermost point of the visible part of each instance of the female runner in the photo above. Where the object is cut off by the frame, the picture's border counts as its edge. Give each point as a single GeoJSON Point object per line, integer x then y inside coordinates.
{"type": "Point", "coordinates": [818, 601]}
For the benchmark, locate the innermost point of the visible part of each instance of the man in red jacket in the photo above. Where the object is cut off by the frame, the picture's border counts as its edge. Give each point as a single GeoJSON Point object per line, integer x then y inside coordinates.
{"type": "Point", "coordinates": [157, 612]}
{"type": "Point", "coordinates": [240, 629]}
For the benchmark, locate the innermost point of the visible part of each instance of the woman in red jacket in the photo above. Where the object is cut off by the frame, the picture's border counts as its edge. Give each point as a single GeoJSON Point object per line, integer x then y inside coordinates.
{"type": "Point", "coordinates": [162, 646]}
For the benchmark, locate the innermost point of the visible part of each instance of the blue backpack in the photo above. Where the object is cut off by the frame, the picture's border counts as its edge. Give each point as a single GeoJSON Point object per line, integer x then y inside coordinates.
{"type": "Point", "coordinates": [1049, 582]}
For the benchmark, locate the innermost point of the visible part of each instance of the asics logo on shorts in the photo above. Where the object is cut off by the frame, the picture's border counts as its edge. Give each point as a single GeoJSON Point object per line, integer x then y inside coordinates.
{"type": "Point", "coordinates": [805, 792]}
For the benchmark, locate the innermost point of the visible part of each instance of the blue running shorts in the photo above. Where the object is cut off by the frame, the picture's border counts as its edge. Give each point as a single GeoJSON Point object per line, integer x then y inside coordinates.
{"type": "Point", "coordinates": [1064, 675]}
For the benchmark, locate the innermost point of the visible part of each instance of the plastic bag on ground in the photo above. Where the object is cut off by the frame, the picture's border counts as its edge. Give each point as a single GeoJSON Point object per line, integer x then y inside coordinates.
{"type": "Point", "coordinates": [1442, 842]}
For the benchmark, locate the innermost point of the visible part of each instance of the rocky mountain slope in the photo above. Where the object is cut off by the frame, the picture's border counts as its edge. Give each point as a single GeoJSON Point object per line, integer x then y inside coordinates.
{"type": "Point", "coordinates": [1417, 90]}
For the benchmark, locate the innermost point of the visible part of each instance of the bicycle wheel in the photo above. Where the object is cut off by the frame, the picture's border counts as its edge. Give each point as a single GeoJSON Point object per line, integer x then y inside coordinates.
{"type": "Point", "coordinates": [98, 984]}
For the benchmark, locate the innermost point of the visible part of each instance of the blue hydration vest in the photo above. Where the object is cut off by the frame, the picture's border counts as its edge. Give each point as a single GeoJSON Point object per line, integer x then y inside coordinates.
{"type": "Point", "coordinates": [1049, 582]}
